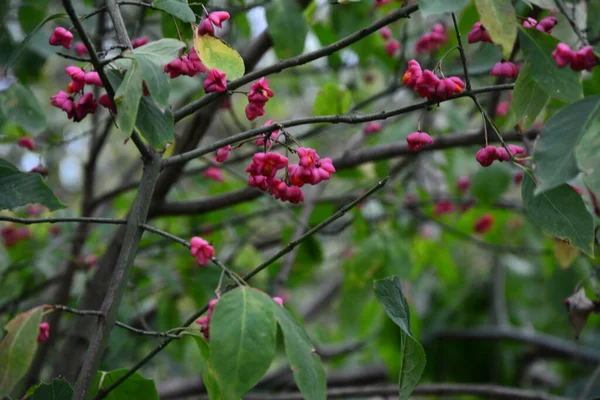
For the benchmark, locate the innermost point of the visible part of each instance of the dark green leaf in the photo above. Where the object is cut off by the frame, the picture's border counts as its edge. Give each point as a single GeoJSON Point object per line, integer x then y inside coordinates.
{"type": "Point", "coordinates": [332, 99]}
{"type": "Point", "coordinates": [528, 98]}
{"type": "Point", "coordinates": [389, 293]}
{"type": "Point", "coordinates": [20, 188]}
{"type": "Point", "coordinates": [242, 339]}
{"type": "Point", "coordinates": [156, 80]}
{"type": "Point", "coordinates": [160, 52]}
{"type": "Point", "coordinates": [20, 106]}
{"type": "Point", "coordinates": [488, 184]}
{"type": "Point", "coordinates": [593, 16]}
{"type": "Point", "coordinates": [561, 83]}
{"type": "Point", "coordinates": [555, 157]}
{"type": "Point", "coordinates": [287, 27]}
{"type": "Point", "coordinates": [306, 365]}
{"type": "Point", "coordinates": [588, 155]}
{"type": "Point", "coordinates": [31, 13]}
{"type": "Point", "coordinates": [177, 8]}
{"type": "Point", "coordinates": [208, 374]}
{"type": "Point", "coordinates": [154, 124]}
{"type": "Point", "coordinates": [134, 387]}
{"type": "Point", "coordinates": [560, 212]}
{"type": "Point", "coordinates": [500, 19]}
{"type": "Point", "coordinates": [127, 97]}
{"type": "Point", "coordinates": [18, 348]}
{"type": "Point", "coordinates": [15, 54]}
{"type": "Point", "coordinates": [58, 389]}
{"type": "Point", "coordinates": [431, 7]}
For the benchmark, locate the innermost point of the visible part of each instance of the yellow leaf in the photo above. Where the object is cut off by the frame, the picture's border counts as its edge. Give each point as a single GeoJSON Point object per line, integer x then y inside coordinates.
{"type": "Point", "coordinates": [215, 53]}
{"type": "Point", "coordinates": [564, 253]}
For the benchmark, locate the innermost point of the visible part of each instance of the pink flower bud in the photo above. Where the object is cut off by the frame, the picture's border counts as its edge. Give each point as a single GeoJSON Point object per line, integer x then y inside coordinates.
{"type": "Point", "coordinates": [416, 140]}
{"type": "Point", "coordinates": [506, 69]}
{"type": "Point", "coordinates": [278, 300]}
{"type": "Point", "coordinates": [484, 223]}
{"type": "Point", "coordinates": [584, 58]}
{"type": "Point", "coordinates": [61, 37]}
{"type": "Point", "coordinates": [201, 249]}
{"type": "Point", "coordinates": [80, 49]}
{"type": "Point", "coordinates": [385, 32]}
{"type": "Point", "coordinates": [371, 128]}
{"type": "Point", "coordinates": [218, 17]}
{"type": "Point", "coordinates": [486, 156]}
{"type": "Point", "coordinates": [463, 184]}
{"type": "Point", "coordinates": [502, 108]}
{"type": "Point", "coordinates": [444, 206]}
{"type": "Point", "coordinates": [563, 55]}
{"type": "Point", "coordinates": [92, 78]}
{"type": "Point", "coordinates": [44, 333]}
{"type": "Point", "coordinates": [479, 34]}
{"type": "Point", "coordinates": [106, 102]}
{"type": "Point", "coordinates": [215, 81]}
{"type": "Point", "coordinates": [138, 42]}
{"type": "Point", "coordinates": [392, 47]}
{"type": "Point", "coordinates": [206, 28]}
{"type": "Point", "coordinates": [223, 153]}
{"type": "Point", "coordinates": [213, 173]}
{"type": "Point", "coordinates": [86, 105]}
{"type": "Point", "coordinates": [27, 143]}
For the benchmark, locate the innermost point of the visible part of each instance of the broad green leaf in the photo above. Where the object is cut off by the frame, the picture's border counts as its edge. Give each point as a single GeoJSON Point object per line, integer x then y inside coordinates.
{"type": "Point", "coordinates": [20, 106]}
{"type": "Point", "coordinates": [561, 213]}
{"type": "Point", "coordinates": [547, 4]}
{"type": "Point", "coordinates": [588, 157]}
{"type": "Point", "coordinates": [306, 365]}
{"type": "Point", "coordinates": [23, 45]}
{"type": "Point", "coordinates": [432, 7]}
{"type": "Point", "coordinates": [31, 13]}
{"type": "Point", "coordinates": [215, 53]}
{"type": "Point", "coordinates": [18, 348]}
{"type": "Point", "coordinates": [528, 98]}
{"type": "Point", "coordinates": [500, 19]}
{"type": "Point", "coordinates": [332, 99]}
{"type": "Point", "coordinates": [156, 80]}
{"type": "Point", "coordinates": [555, 157]}
{"type": "Point", "coordinates": [242, 340]}
{"type": "Point", "coordinates": [208, 374]}
{"type": "Point", "coordinates": [488, 184]}
{"type": "Point", "coordinates": [287, 27]}
{"type": "Point", "coordinates": [561, 83]}
{"type": "Point", "coordinates": [20, 188]}
{"type": "Point", "coordinates": [127, 97]}
{"type": "Point", "coordinates": [134, 387]}
{"type": "Point", "coordinates": [389, 293]}
{"type": "Point", "coordinates": [58, 389]}
{"type": "Point", "coordinates": [161, 51]}
{"type": "Point", "coordinates": [154, 124]}
{"type": "Point", "coordinates": [177, 8]}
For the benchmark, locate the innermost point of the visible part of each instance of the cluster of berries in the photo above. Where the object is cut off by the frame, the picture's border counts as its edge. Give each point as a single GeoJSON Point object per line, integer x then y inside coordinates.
{"type": "Point", "coordinates": [579, 60]}
{"type": "Point", "coordinates": [428, 85]}
{"type": "Point", "coordinates": [188, 65]}
{"type": "Point", "coordinates": [201, 250]}
{"type": "Point", "coordinates": [489, 154]}
{"type": "Point", "coordinates": [258, 96]}
{"type": "Point", "coordinates": [432, 41]}
{"type": "Point", "coordinates": [544, 25]}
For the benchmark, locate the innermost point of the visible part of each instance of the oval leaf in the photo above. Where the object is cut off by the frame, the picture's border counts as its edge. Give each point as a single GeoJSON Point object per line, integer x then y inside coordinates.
{"type": "Point", "coordinates": [20, 188]}
{"type": "Point", "coordinates": [155, 78]}
{"type": "Point", "coordinates": [555, 158]}
{"type": "Point", "coordinates": [561, 213]}
{"type": "Point", "coordinates": [488, 184]}
{"type": "Point", "coordinates": [500, 19]}
{"type": "Point", "coordinates": [287, 27]}
{"type": "Point", "coordinates": [134, 387]}
{"type": "Point", "coordinates": [412, 357]}
{"type": "Point", "coordinates": [560, 83]}
{"type": "Point", "coordinates": [127, 97]}
{"type": "Point", "coordinates": [215, 53]}
{"type": "Point", "coordinates": [21, 107]}
{"type": "Point", "coordinates": [154, 124]}
{"type": "Point", "coordinates": [242, 340]}
{"type": "Point", "coordinates": [58, 389]}
{"type": "Point", "coordinates": [528, 98]}
{"type": "Point", "coordinates": [161, 51]}
{"type": "Point", "coordinates": [177, 8]}
{"type": "Point", "coordinates": [208, 374]}
{"type": "Point", "coordinates": [306, 365]}
{"type": "Point", "coordinates": [18, 348]}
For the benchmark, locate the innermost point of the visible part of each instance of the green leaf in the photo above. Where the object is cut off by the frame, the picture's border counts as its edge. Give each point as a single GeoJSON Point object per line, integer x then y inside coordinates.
{"type": "Point", "coordinates": [154, 124]}
{"type": "Point", "coordinates": [20, 106]}
{"type": "Point", "coordinates": [31, 13]}
{"type": "Point", "coordinates": [23, 45]}
{"type": "Point", "coordinates": [555, 157]}
{"type": "Point", "coordinates": [560, 212]}
{"type": "Point", "coordinates": [242, 340]}
{"type": "Point", "coordinates": [500, 19]}
{"type": "Point", "coordinates": [432, 7]}
{"type": "Point", "coordinates": [287, 27]}
{"type": "Point", "coordinates": [208, 374]}
{"type": "Point", "coordinates": [161, 51]}
{"type": "Point", "coordinates": [389, 293]}
{"type": "Point", "coordinates": [547, 4]}
{"type": "Point", "coordinates": [488, 184]}
{"type": "Point", "coordinates": [177, 8]}
{"type": "Point", "coordinates": [156, 79]}
{"type": "Point", "coordinates": [561, 83]}
{"type": "Point", "coordinates": [215, 53]}
{"type": "Point", "coordinates": [127, 97]}
{"type": "Point", "coordinates": [306, 365]}
{"type": "Point", "coordinates": [332, 99]}
{"type": "Point", "coordinates": [58, 389]}
{"type": "Point", "coordinates": [20, 188]}
{"type": "Point", "coordinates": [528, 98]}
{"type": "Point", "coordinates": [18, 348]}
{"type": "Point", "coordinates": [134, 387]}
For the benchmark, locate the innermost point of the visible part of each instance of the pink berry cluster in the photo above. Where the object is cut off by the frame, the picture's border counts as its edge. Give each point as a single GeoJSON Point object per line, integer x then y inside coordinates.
{"type": "Point", "coordinates": [489, 154]}
{"type": "Point", "coordinates": [11, 235]}
{"type": "Point", "coordinates": [431, 41]}
{"type": "Point", "coordinates": [579, 60]}
{"type": "Point", "coordinates": [44, 333]}
{"type": "Point", "coordinates": [505, 69]}
{"type": "Point", "coordinates": [544, 25]}
{"type": "Point", "coordinates": [201, 250]}
{"type": "Point", "coordinates": [77, 110]}
{"type": "Point", "coordinates": [392, 46]}
{"type": "Point", "coordinates": [207, 26]}
{"type": "Point", "coordinates": [479, 34]}
{"type": "Point", "coordinates": [188, 65]}
{"type": "Point", "coordinates": [258, 96]}
{"type": "Point", "coordinates": [428, 85]}
{"type": "Point", "coordinates": [417, 140]}
{"type": "Point", "coordinates": [61, 37]}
